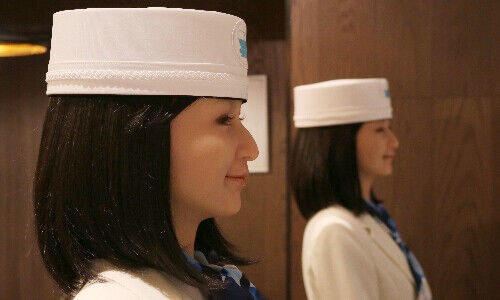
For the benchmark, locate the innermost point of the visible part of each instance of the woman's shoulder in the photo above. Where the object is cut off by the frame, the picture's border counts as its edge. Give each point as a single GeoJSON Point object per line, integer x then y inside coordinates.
{"type": "Point", "coordinates": [333, 216]}
{"type": "Point", "coordinates": [333, 229]}
{"type": "Point", "coordinates": [105, 290]}
{"type": "Point", "coordinates": [113, 283]}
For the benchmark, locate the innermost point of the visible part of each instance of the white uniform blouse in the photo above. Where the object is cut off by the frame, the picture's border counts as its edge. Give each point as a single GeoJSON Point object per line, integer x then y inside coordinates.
{"type": "Point", "coordinates": [350, 257]}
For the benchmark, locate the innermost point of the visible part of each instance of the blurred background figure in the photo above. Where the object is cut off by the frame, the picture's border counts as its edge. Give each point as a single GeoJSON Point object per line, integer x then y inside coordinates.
{"type": "Point", "coordinates": [344, 142]}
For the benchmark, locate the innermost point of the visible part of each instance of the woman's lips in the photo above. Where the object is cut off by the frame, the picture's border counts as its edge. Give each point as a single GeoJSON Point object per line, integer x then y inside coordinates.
{"type": "Point", "coordinates": [390, 157]}
{"type": "Point", "coordinates": [240, 180]}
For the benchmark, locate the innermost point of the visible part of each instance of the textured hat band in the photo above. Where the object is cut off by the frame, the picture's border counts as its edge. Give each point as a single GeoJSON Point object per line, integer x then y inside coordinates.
{"type": "Point", "coordinates": [136, 78]}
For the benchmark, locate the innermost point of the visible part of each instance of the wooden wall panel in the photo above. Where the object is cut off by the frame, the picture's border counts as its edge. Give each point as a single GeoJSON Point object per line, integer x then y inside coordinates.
{"type": "Point", "coordinates": [425, 48]}
{"type": "Point", "coordinates": [260, 229]}
{"type": "Point", "coordinates": [297, 225]}
{"type": "Point", "coordinates": [22, 107]}
{"type": "Point", "coordinates": [264, 19]}
{"type": "Point", "coordinates": [440, 59]}
{"type": "Point", "coordinates": [464, 40]}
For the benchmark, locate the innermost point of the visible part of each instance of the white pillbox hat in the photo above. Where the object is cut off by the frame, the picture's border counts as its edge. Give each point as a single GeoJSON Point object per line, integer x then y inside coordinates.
{"type": "Point", "coordinates": [148, 51]}
{"type": "Point", "coordinates": [342, 101]}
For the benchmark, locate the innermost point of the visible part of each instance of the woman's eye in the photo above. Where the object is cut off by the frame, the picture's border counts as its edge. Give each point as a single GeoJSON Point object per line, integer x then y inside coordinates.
{"type": "Point", "coordinates": [381, 129]}
{"type": "Point", "coordinates": [225, 120]}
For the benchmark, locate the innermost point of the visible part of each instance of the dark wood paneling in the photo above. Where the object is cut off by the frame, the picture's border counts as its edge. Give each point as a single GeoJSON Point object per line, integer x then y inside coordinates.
{"type": "Point", "coordinates": [265, 19]}
{"type": "Point", "coordinates": [440, 60]}
{"type": "Point", "coordinates": [464, 43]}
{"type": "Point", "coordinates": [425, 48]}
{"type": "Point", "coordinates": [297, 225]}
{"type": "Point", "coordinates": [22, 107]}
{"type": "Point", "coordinates": [260, 229]}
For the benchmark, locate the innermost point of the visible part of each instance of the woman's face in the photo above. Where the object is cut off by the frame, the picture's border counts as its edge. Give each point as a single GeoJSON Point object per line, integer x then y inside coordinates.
{"type": "Point", "coordinates": [210, 149]}
{"type": "Point", "coordinates": [376, 147]}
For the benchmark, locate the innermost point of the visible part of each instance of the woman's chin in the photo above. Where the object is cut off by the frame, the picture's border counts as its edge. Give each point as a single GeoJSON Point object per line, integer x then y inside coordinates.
{"type": "Point", "coordinates": [231, 207]}
{"type": "Point", "coordinates": [383, 172]}
{"type": "Point", "coordinates": [387, 171]}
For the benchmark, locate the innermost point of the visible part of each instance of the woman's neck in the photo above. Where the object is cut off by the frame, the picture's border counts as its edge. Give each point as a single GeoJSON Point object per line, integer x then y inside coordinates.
{"type": "Point", "coordinates": [185, 226]}
{"type": "Point", "coordinates": [186, 235]}
{"type": "Point", "coordinates": [366, 183]}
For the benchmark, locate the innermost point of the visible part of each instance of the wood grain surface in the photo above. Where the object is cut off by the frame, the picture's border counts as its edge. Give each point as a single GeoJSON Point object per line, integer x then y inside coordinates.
{"type": "Point", "coordinates": [264, 19]}
{"type": "Point", "coordinates": [425, 48]}
{"type": "Point", "coordinates": [22, 108]}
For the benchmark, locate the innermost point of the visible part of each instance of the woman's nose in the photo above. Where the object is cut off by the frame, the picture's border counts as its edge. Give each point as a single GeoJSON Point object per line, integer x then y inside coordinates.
{"type": "Point", "coordinates": [248, 147]}
{"type": "Point", "coordinates": [394, 140]}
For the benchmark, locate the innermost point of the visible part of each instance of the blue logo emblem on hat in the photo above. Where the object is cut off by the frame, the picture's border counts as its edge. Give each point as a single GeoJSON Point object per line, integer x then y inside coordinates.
{"type": "Point", "coordinates": [243, 48]}
{"type": "Point", "coordinates": [239, 43]}
{"type": "Point", "coordinates": [387, 93]}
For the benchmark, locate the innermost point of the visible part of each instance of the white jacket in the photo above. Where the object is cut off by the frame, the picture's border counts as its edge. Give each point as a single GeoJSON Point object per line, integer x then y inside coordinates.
{"type": "Point", "coordinates": [350, 257]}
{"type": "Point", "coordinates": [124, 285]}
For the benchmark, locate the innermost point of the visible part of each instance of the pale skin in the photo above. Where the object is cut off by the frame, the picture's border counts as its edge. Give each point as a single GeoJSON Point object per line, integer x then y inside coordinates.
{"type": "Point", "coordinates": [210, 149]}
{"type": "Point", "coordinates": [376, 147]}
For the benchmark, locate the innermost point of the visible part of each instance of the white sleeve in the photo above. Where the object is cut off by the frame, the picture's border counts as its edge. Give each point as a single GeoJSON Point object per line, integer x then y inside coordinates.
{"type": "Point", "coordinates": [341, 267]}
{"type": "Point", "coordinates": [105, 290]}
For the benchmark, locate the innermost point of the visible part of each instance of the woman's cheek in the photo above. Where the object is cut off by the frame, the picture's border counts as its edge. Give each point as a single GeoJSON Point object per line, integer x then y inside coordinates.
{"type": "Point", "coordinates": [214, 155]}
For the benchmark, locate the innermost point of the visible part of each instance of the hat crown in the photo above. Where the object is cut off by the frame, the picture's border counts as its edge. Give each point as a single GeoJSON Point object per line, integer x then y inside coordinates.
{"type": "Point", "coordinates": [341, 101]}
{"type": "Point", "coordinates": [97, 50]}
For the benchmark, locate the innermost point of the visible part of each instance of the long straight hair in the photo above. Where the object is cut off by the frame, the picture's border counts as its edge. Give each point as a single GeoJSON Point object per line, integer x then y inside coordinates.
{"type": "Point", "coordinates": [324, 169]}
{"type": "Point", "coordinates": [102, 190]}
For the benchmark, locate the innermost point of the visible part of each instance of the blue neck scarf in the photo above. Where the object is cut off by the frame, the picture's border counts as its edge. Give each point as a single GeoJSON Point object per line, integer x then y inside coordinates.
{"type": "Point", "coordinates": [237, 285]}
{"type": "Point", "coordinates": [382, 216]}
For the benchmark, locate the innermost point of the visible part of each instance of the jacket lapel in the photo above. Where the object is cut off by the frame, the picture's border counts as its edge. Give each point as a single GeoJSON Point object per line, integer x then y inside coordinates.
{"type": "Point", "coordinates": [384, 241]}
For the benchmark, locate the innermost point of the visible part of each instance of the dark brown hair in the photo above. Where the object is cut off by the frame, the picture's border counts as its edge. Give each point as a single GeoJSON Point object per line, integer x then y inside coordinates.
{"type": "Point", "coordinates": [323, 169]}
{"type": "Point", "coordinates": [101, 190]}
